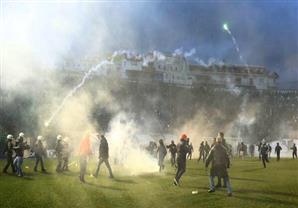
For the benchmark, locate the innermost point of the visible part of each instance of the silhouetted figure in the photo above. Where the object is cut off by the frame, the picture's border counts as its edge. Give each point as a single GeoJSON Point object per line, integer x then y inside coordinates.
{"type": "Point", "coordinates": [219, 159]}
{"type": "Point", "coordinates": [162, 152]}
{"type": "Point", "coordinates": [259, 150]}
{"type": "Point", "coordinates": [294, 149]}
{"type": "Point", "coordinates": [241, 150]}
{"type": "Point", "coordinates": [190, 150]}
{"type": "Point", "coordinates": [202, 152]}
{"type": "Point", "coordinates": [173, 150]}
{"type": "Point", "coordinates": [206, 149]}
{"type": "Point", "coordinates": [264, 154]}
{"type": "Point", "coordinates": [8, 152]}
{"type": "Point", "coordinates": [252, 150]}
{"type": "Point", "coordinates": [40, 152]}
{"type": "Point", "coordinates": [182, 150]}
{"type": "Point", "coordinates": [269, 151]}
{"type": "Point", "coordinates": [103, 156]}
{"type": "Point", "coordinates": [277, 151]}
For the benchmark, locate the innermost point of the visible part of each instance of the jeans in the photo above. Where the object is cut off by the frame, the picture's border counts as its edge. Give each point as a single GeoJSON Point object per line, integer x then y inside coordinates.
{"type": "Point", "coordinates": [226, 181]}
{"type": "Point", "coordinates": [106, 161]}
{"type": "Point", "coordinates": [18, 161]}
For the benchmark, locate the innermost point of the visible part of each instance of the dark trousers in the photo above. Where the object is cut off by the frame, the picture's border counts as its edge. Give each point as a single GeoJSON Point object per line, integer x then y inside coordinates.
{"type": "Point", "coordinates": [173, 159]}
{"type": "Point", "coordinates": [202, 155]}
{"type": "Point", "coordinates": [278, 156]}
{"type": "Point", "coordinates": [65, 163]}
{"type": "Point", "coordinates": [38, 159]}
{"type": "Point", "coordinates": [181, 167]}
{"type": "Point", "coordinates": [219, 182]}
{"type": "Point", "coordinates": [83, 167]}
{"type": "Point", "coordinates": [294, 154]}
{"type": "Point", "coordinates": [106, 161]}
{"type": "Point", "coordinates": [9, 162]}
{"type": "Point", "coordinates": [189, 155]}
{"type": "Point", "coordinates": [264, 160]}
{"type": "Point", "coordinates": [59, 164]}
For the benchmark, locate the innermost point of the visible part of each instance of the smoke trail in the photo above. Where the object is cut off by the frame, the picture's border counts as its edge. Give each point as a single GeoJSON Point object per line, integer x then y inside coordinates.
{"type": "Point", "coordinates": [75, 89]}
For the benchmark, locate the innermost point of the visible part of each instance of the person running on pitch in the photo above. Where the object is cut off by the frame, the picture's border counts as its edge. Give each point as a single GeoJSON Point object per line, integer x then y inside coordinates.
{"type": "Point", "coordinates": [103, 156]}
{"type": "Point", "coordinates": [162, 152]}
{"type": "Point", "coordinates": [19, 149]}
{"type": "Point", "coordinates": [202, 152]}
{"type": "Point", "coordinates": [294, 153]}
{"type": "Point", "coordinates": [59, 151]}
{"type": "Point", "coordinates": [264, 153]}
{"type": "Point", "coordinates": [182, 150]}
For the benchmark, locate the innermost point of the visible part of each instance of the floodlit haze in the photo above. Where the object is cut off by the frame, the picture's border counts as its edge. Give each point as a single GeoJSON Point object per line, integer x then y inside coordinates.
{"type": "Point", "coordinates": [43, 34]}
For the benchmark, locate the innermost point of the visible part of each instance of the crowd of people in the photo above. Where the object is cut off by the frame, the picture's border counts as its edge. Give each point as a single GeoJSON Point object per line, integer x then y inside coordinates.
{"type": "Point", "coordinates": [217, 154]}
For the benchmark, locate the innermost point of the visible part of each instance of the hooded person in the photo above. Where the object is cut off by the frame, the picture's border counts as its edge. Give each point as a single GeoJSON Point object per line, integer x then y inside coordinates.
{"type": "Point", "coordinates": [40, 152]}
{"type": "Point", "coordinates": [173, 150]}
{"type": "Point", "coordinates": [8, 152]}
{"type": "Point", "coordinates": [84, 152]}
{"type": "Point", "coordinates": [162, 152]}
{"type": "Point", "coordinates": [59, 151]}
{"type": "Point", "coordinates": [219, 159]}
{"type": "Point", "coordinates": [103, 156]}
{"type": "Point", "coordinates": [19, 149]}
{"type": "Point", "coordinates": [182, 150]}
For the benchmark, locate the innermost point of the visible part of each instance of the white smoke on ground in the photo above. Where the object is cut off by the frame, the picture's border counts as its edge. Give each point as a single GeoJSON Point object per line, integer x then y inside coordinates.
{"type": "Point", "coordinates": [125, 147]}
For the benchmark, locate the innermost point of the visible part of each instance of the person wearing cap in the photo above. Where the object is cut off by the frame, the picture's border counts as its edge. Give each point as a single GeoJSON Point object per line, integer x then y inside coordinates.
{"type": "Point", "coordinates": [58, 150]}
{"type": "Point", "coordinates": [182, 150]}
{"type": "Point", "coordinates": [103, 156]}
{"type": "Point", "coordinates": [219, 159]}
{"type": "Point", "coordinates": [173, 150]}
{"type": "Point", "coordinates": [162, 152]}
{"type": "Point", "coordinates": [39, 153]}
{"type": "Point", "coordinates": [8, 151]}
{"type": "Point", "coordinates": [84, 153]}
{"type": "Point", "coordinates": [19, 149]}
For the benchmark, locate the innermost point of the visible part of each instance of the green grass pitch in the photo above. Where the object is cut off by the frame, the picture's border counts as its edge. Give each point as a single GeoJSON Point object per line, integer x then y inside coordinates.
{"type": "Point", "coordinates": [253, 186]}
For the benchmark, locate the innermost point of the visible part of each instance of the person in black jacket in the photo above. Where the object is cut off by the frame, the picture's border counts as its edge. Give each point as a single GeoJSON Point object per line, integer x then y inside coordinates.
{"type": "Point", "coordinates": [173, 150]}
{"type": "Point", "coordinates": [220, 162]}
{"type": "Point", "coordinates": [182, 150]}
{"type": "Point", "coordinates": [19, 149]}
{"type": "Point", "coordinates": [277, 151]}
{"type": "Point", "coordinates": [264, 153]}
{"type": "Point", "coordinates": [40, 152]}
{"type": "Point", "coordinates": [8, 151]}
{"type": "Point", "coordinates": [103, 156]}
{"type": "Point", "coordinates": [294, 148]}
{"type": "Point", "coordinates": [202, 152]}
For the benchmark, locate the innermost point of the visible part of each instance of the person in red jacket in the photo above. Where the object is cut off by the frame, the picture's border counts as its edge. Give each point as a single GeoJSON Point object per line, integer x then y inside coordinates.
{"type": "Point", "coordinates": [84, 152]}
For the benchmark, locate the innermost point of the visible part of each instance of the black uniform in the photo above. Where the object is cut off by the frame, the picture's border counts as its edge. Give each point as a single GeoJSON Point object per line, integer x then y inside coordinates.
{"type": "Point", "coordinates": [202, 152]}
{"type": "Point", "coordinates": [294, 148]}
{"type": "Point", "coordinates": [264, 154]}
{"type": "Point", "coordinates": [173, 150]}
{"type": "Point", "coordinates": [206, 149]}
{"type": "Point", "coordinates": [103, 156]}
{"type": "Point", "coordinates": [277, 151]}
{"type": "Point", "coordinates": [39, 153]}
{"type": "Point", "coordinates": [8, 151]}
{"type": "Point", "coordinates": [190, 150]}
{"type": "Point", "coordinates": [182, 150]}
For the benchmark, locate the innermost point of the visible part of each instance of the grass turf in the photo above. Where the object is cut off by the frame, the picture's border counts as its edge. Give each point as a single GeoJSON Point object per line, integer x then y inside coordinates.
{"type": "Point", "coordinates": [253, 186]}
